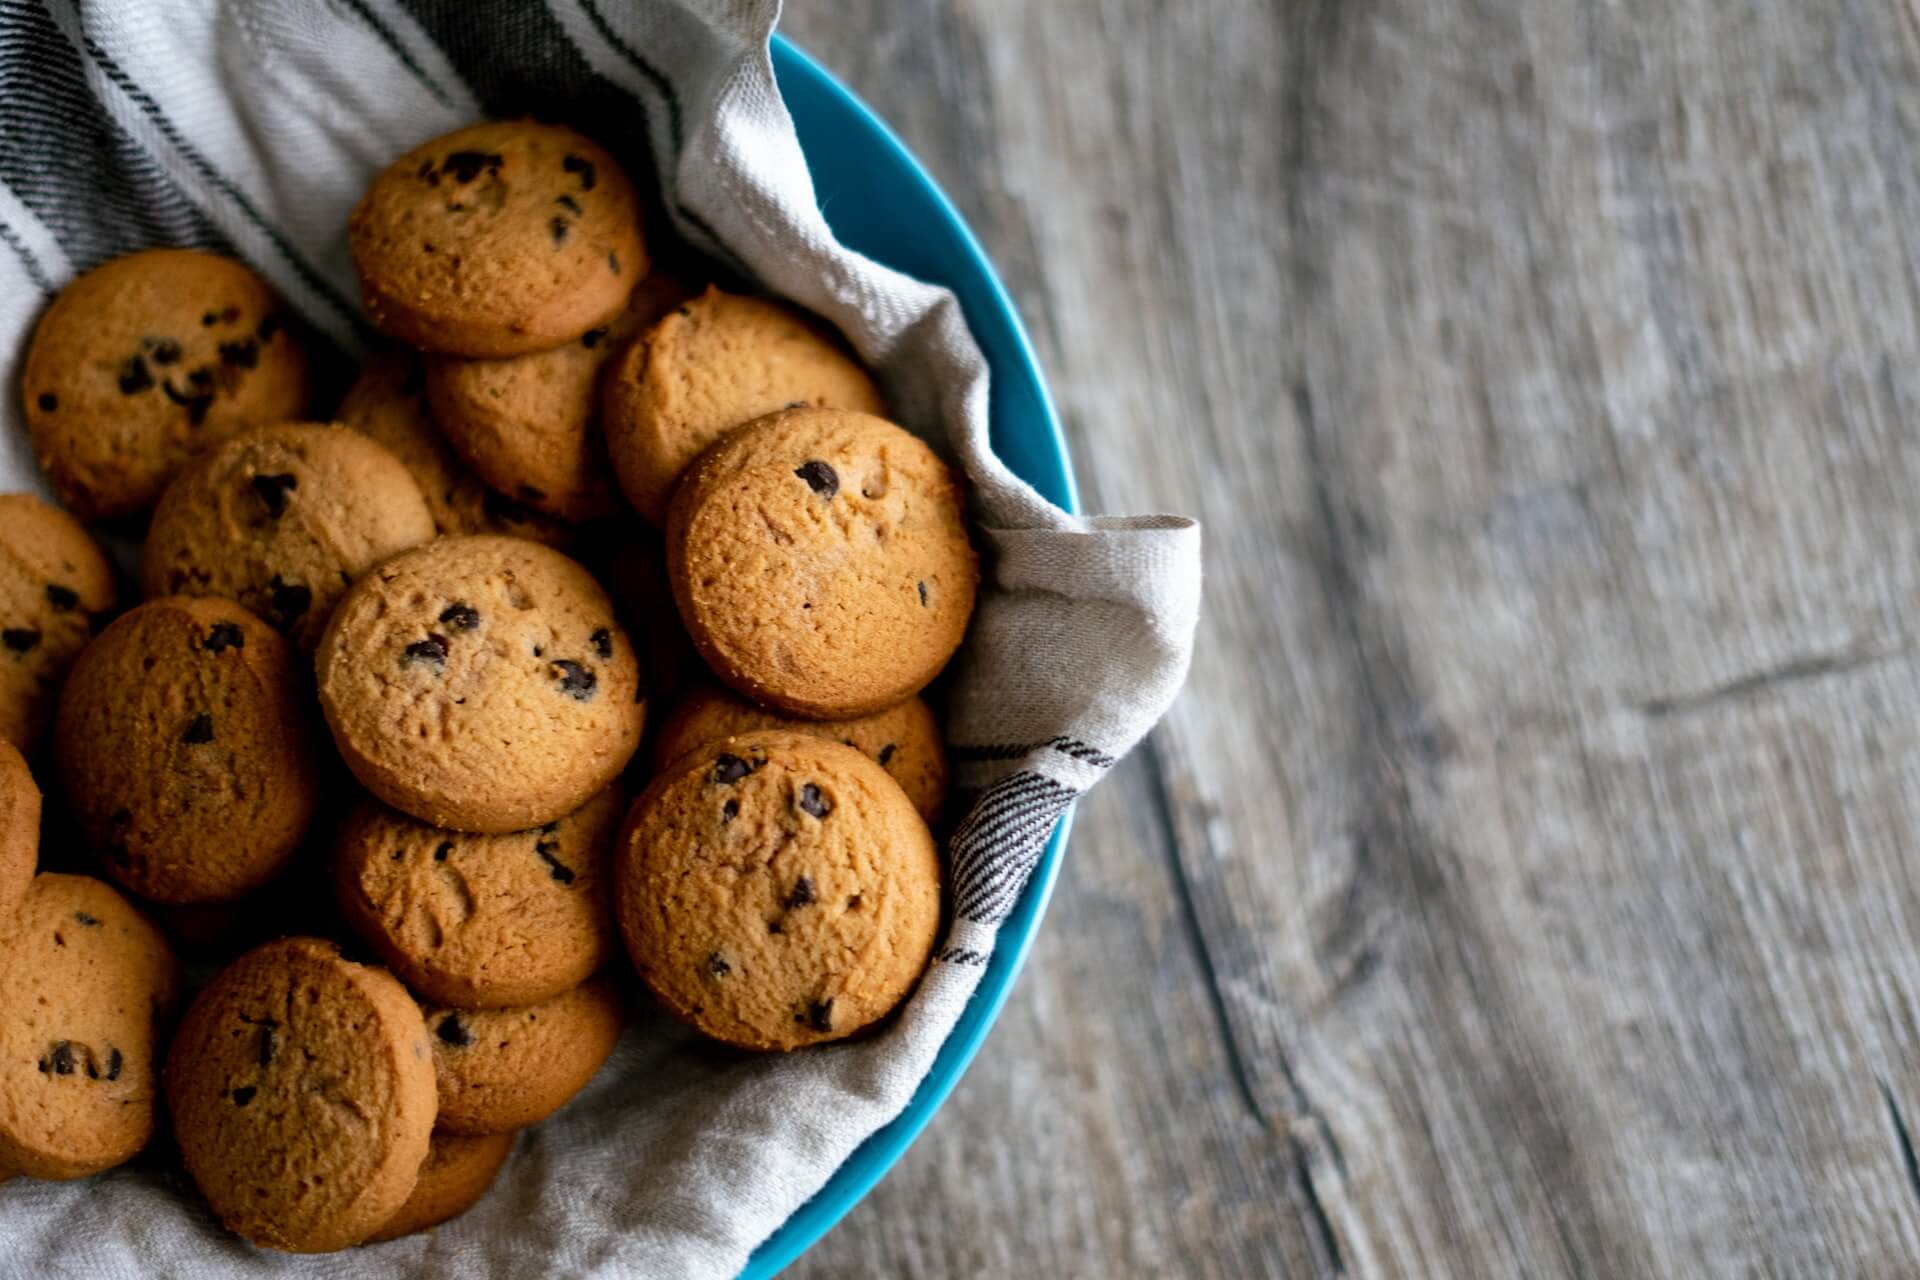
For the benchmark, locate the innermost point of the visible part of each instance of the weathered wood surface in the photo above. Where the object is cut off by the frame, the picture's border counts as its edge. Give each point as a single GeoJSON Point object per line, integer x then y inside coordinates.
{"type": "Point", "coordinates": [1527, 883]}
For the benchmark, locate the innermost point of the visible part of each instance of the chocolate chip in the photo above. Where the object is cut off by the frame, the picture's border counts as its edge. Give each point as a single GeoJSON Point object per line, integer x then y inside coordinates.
{"type": "Point", "coordinates": [289, 599]}
{"type": "Point", "coordinates": [224, 635]}
{"type": "Point", "coordinates": [547, 849]}
{"type": "Point", "coordinates": [811, 801]}
{"type": "Point", "coordinates": [576, 679]}
{"type": "Point", "coordinates": [114, 1063]}
{"type": "Point", "coordinates": [796, 404]}
{"type": "Point", "coordinates": [602, 642]}
{"type": "Point", "coordinates": [243, 1095]}
{"type": "Point", "coordinates": [61, 1059]}
{"type": "Point", "coordinates": [199, 730]}
{"type": "Point", "coordinates": [49, 402]}
{"type": "Point", "coordinates": [20, 640]}
{"type": "Point", "coordinates": [802, 893]}
{"type": "Point", "coordinates": [729, 769]}
{"type": "Point", "coordinates": [92, 922]}
{"type": "Point", "coordinates": [200, 378]}
{"type": "Point", "coordinates": [134, 377]}
{"type": "Point", "coordinates": [591, 338]}
{"type": "Point", "coordinates": [398, 854]}
{"type": "Point", "coordinates": [61, 598]}
{"type": "Point", "coordinates": [820, 478]}
{"type": "Point", "coordinates": [432, 652]}
{"type": "Point", "coordinates": [461, 617]}
{"type": "Point", "coordinates": [270, 324]}
{"type": "Point", "coordinates": [244, 354]}
{"type": "Point", "coordinates": [208, 320]}
{"type": "Point", "coordinates": [532, 494]}
{"type": "Point", "coordinates": [717, 966]}
{"type": "Point", "coordinates": [454, 1032]}
{"type": "Point", "coordinates": [729, 811]}
{"type": "Point", "coordinates": [613, 262]}
{"type": "Point", "coordinates": [568, 203]}
{"type": "Point", "coordinates": [582, 168]}
{"type": "Point", "coordinates": [559, 227]}
{"type": "Point", "coordinates": [465, 166]}
{"type": "Point", "coordinates": [923, 593]}
{"type": "Point", "coordinates": [440, 854]}
{"type": "Point", "coordinates": [819, 1015]}
{"type": "Point", "coordinates": [853, 903]}
{"type": "Point", "coordinates": [229, 314]}
{"type": "Point", "coordinates": [196, 403]}
{"type": "Point", "coordinates": [273, 491]}
{"type": "Point", "coordinates": [886, 753]}
{"type": "Point", "coordinates": [267, 1026]}
{"type": "Point", "coordinates": [165, 351]}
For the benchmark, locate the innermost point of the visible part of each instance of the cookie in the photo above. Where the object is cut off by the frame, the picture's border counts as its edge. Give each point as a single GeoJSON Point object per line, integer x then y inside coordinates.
{"type": "Point", "coordinates": [477, 920]}
{"type": "Point", "coordinates": [496, 240]}
{"type": "Point", "coordinates": [282, 518]}
{"type": "Point", "coordinates": [530, 425]}
{"type": "Point", "coordinates": [302, 1095]}
{"type": "Point", "coordinates": [388, 404]}
{"type": "Point", "coordinates": [715, 364]}
{"type": "Point", "coordinates": [503, 1069]}
{"type": "Point", "coordinates": [184, 744]}
{"type": "Point", "coordinates": [820, 562]}
{"type": "Point", "coordinates": [19, 831]}
{"type": "Point", "coordinates": [85, 983]}
{"type": "Point", "coordinates": [903, 739]}
{"type": "Point", "coordinates": [144, 362]}
{"type": "Point", "coordinates": [481, 684]}
{"type": "Point", "coordinates": [55, 586]}
{"type": "Point", "coordinates": [458, 1171]}
{"type": "Point", "coordinates": [777, 890]}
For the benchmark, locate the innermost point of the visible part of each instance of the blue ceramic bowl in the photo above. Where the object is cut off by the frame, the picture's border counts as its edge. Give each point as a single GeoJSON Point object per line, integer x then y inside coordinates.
{"type": "Point", "coordinates": [879, 201]}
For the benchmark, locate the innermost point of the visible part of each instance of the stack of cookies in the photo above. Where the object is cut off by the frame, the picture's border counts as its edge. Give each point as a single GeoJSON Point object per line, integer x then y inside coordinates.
{"type": "Point", "coordinates": [409, 651]}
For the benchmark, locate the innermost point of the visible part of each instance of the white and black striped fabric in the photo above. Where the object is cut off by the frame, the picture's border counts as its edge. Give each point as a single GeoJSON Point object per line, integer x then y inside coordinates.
{"type": "Point", "coordinates": [250, 128]}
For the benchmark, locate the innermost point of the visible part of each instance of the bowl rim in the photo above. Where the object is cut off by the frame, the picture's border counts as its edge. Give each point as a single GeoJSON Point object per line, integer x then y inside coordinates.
{"type": "Point", "coordinates": [996, 325]}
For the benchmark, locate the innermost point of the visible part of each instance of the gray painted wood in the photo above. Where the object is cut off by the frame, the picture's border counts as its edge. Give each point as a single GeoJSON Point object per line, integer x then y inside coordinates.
{"type": "Point", "coordinates": [1526, 884]}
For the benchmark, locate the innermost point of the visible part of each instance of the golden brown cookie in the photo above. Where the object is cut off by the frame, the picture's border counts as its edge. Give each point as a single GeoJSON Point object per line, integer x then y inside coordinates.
{"type": "Point", "coordinates": [54, 585]}
{"type": "Point", "coordinates": [820, 562]}
{"type": "Point", "coordinates": [458, 1171]}
{"type": "Point", "coordinates": [282, 518]}
{"type": "Point", "coordinates": [497, 239]}
{"type": "Point", "coordinates": [530, 425]}
{"type": "Point", "coordinates": [144, 362]}
{"type": "Point", "coordinates": [19, 831]}
{"type": "Point", "coordinates": [502, 1069]}
{"type": "Point", "coordinates": [777, 890]}
{"type": "Point", "coordinates": [482, 921]}
{"type": "Point", "coordinates": [717, 363]}
{"type": "Point", "coordinates": [481, 684]}
{"type": "Point", "coordinates": [184, 742]}
{"type": "Point", "coordinates": [85, 983]}
{"type": "Point", "coordinates": [903, 739]}
{"type": "Point", "coordinates": [302, 1094]}
{"type": "Point", "coordinates": [388, 404]}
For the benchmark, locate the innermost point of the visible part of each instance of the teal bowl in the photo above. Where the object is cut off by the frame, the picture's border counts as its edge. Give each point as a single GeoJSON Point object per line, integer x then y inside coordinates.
{"type": "Point", "coordinates": [878, 200]}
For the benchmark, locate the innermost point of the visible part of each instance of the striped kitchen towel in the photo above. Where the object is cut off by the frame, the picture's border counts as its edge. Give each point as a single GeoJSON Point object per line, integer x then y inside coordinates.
{"type": "Point", "coordinates": [250, 128]}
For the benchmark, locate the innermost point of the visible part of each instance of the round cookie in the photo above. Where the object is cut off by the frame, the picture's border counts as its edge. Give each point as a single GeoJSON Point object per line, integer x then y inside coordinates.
{"type": "Point", "coordinates": [481, 684]}
{"type": "Point", "coordinates": [777, 890]}
{"type": "Point", "coordinates": [19, 831]}
{"type": "Point", "coordinates": [459, 1169]}
{"type": "Point", "coordinates": [388, 404]}
{"type": "Point", "coordinates": [848, 586]}
{"type": "Point", "coordinates": [55, 585]}
{"type": "Point", "coordinates": [717, 363]}
{"type": "Point", "coordinates": [85, 982]}
{"type": "Point", "coordinates": [503, 1069]}
{"type": "Point", "coordinates": [478, 920]}
{"type": "Point", "coordinates": [145, 361]}
{"type": "Point", "coordinates": [530, 425]}
{"type": "Point", "coordinates": [302, 1094]}
{"type": "Point", "coordinates": [282, 518]}
{"type": "Point", "coordinates": [184, 745]}
{"type": "Point", "coordinates": [903, 739]}
{"type": "Point", "coordinates": [496, 240]}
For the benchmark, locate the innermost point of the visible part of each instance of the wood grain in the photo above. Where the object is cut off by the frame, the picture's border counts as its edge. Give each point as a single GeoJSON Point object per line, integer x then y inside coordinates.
{"type": "Point", "coordinates": [1525, 885]}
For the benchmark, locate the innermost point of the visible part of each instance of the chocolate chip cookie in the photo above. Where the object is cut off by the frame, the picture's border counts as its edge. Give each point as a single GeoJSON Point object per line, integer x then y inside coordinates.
{"type": "Point", "coordinates": [820, 562]}
{"type": "Point", "coordinates": [19, 831]}
{"type": "Point", "coordinates": [55, 587]}
{"type": "Point", "coordinates": [85, 983]}
{"type": "Point", "coordinates": [481, 684]}
{"type": "Point", "coordinates": [502, 1069]}
{"type": "Point", "coordinates": [777, 890]}
{"type": "Point", "coordinates": [496, 240]}
{"type": "Point", "coordinates": [478, 920]}
{"type": "Point", "coordinates": [459, 1169]}
{"type": "Point", "coordinates": [302, 1094]}
{"type": "Point", "coordinates": [146, 361]}
{"type": "Point", "coordinates": [714, 364]}
{"type": "Point", "coordinates": [282, 518]}
{"type": "Point", "coordinates": [184, 742]}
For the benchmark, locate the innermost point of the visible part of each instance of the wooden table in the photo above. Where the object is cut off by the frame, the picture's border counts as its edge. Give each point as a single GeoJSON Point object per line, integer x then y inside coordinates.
{"type": "Point", "coordinates": [1526, 883]}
